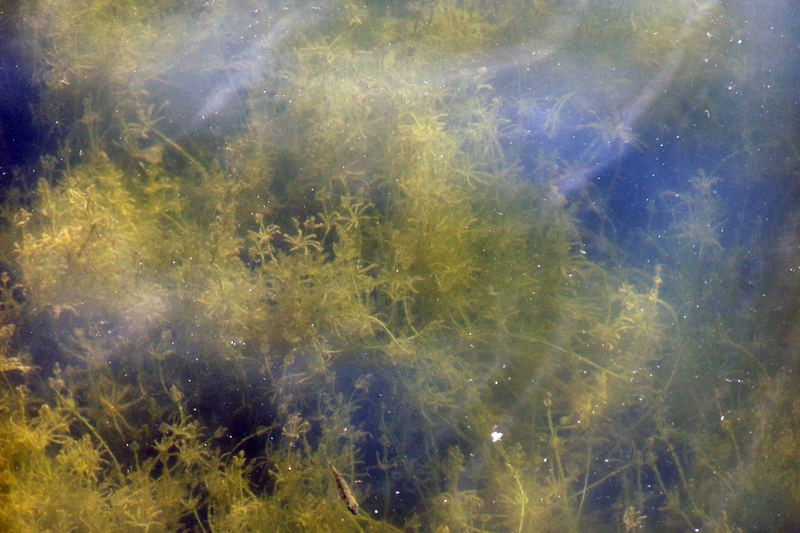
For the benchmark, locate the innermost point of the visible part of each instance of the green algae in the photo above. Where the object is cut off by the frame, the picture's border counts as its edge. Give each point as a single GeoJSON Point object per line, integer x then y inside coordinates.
{"type": "Point", "coordinates": [355, 265]}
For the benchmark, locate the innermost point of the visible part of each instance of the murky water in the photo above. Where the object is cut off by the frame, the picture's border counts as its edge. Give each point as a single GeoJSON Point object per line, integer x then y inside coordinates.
{"type": "Point", "coordinates": [399, 266]}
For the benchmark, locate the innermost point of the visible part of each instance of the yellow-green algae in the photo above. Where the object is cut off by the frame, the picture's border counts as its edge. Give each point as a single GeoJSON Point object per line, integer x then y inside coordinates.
{"type": "Point", "coordinates": [353, 267]}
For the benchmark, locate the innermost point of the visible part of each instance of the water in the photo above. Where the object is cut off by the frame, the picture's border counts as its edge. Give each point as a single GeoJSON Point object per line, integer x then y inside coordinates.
{"type": "Point", "coordinates": [504, 266]}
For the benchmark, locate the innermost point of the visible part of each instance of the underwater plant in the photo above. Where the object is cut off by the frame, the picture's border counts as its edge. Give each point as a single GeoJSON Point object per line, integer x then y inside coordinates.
{"type": "Point", "coordinates": [300, 267]}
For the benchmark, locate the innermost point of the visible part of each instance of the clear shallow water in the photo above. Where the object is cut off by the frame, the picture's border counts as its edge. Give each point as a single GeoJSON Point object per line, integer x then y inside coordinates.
{"type": "Point", "coordinates": [436, 266]}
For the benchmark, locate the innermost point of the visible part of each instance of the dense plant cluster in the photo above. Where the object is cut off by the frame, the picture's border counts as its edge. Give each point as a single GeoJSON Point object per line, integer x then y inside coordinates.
{"type": "Point", "coordinates": [269, 242]}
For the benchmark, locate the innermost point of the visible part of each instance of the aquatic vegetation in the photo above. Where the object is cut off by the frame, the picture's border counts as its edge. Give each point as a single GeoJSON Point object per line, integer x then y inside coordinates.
{"type": "Point", "coordinates": [86, 233]}
{"type": "Point", "coordinates": [612, 131]}
{"type": "Point", "coordinates": [699, 212]}
{"type": "Point", "coordinates": [313, 271]}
